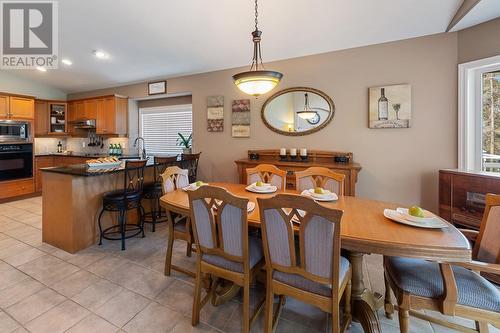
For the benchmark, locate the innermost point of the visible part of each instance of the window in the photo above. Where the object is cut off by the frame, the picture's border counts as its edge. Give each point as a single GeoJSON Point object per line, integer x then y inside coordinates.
{"type": "Point", "coordinates": [479, 115]}
{"type": "Point", "coordinates": [159, 127]}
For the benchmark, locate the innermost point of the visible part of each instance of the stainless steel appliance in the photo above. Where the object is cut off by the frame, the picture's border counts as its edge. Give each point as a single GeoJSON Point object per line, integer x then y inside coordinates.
{"type": "Point", "coordinates": [14, 131]}
{"type": "Point", "coordinates": [16, 161]}
{"type": "Point", "coordinates": [85, 123]}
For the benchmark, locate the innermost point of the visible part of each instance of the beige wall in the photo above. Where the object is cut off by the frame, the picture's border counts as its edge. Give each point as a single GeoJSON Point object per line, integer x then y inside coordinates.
{"type": "Point", "coordinates": [11, 83]}
{"type": "Point", "coordinates": [399, 165]}
{"type": "Point", "coordinates": [480, 41]}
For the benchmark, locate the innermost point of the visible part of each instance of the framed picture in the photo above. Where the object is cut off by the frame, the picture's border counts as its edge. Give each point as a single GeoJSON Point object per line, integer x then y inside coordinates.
{"type": "Point", "coordinates": [390, 106]}
{"type": "Point", "coordinates": [241, 118]}
{"type": "Point", "coordinates": [215, 113]}
{"type": "Point", "coordinates": [156, 88]}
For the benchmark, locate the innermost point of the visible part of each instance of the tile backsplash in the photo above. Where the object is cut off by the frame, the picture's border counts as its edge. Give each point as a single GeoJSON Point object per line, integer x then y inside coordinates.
{"type": "Point", "coordinates": [80, 145]}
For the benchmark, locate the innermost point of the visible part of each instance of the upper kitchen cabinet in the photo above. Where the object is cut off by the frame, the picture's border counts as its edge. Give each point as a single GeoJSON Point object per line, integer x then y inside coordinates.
{"type": "Point", "coordinates": [90, 109]}
{"type": "Point", "coordinates": [112, 114]}
{"type": "Point", "coordinates": [41, 118]}
{"type": "Point", "coordinates": [50, 118]}
{"type": "Point", "coordinates": [14, 106]}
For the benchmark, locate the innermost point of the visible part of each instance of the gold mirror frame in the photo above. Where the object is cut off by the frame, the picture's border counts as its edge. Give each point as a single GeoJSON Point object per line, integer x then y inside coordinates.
{"type": "Point", "coordinates": [296, 89]}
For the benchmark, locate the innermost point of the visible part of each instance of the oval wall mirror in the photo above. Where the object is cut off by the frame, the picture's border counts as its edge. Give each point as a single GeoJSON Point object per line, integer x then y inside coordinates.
{"type": "Point", "coordinates": [297, 111]}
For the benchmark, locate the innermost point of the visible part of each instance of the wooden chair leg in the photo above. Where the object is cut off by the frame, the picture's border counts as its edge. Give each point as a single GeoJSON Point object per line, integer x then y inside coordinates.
{"type": "Point", "coordinates": [335, 318]}
{"type": "Point", "coordinates": [170, 245]}
{"type": "Point", "coordinates": [246, 307]}
{"type": "Point", "coordinates": [347, 305]}
{"type": "Point", "coordinates": [482, 327]}
{"type": "Point", "coordinates": [268, 319]}
{"type": "Point", "coordinates": [189, 237]}
{"type": "Point", "coordinates": [388, 306]}
{"type": "Point", "coordinates": [404, 320]}
{"type": "Point", "coordinates": [195, 317]}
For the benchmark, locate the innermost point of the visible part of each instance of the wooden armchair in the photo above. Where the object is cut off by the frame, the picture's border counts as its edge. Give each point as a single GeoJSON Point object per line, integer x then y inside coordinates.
{"type": "Point", "coordinates": [267, 173]}
{"type": "Point", "coordinates": [316, 273]}
{"type": "Point", "coordinates": [455, 289]}
{"type": "Point", "coordinates": [320, 177]}
{"type": "Point", "coordinates": [179, 227]}
{"type": "Point", "coordinates": [225, 249]}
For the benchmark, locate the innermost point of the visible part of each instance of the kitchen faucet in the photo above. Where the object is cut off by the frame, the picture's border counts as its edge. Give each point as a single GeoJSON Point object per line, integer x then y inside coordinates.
{"type": "Point", "coordinates": [143, 155]}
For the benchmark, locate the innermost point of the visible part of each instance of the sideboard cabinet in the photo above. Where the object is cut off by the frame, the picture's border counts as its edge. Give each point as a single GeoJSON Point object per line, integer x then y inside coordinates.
{"type": "Point", "coordinates": [324, 159]}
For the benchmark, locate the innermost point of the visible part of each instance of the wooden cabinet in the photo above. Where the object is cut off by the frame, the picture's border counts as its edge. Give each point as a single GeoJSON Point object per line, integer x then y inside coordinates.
{"type": "Point", "coordinates": [21, 107]}
{"type": "Point", "coordinates": [90, 109]}
{"type": "Point", "coordinates": [316, 158]}
{"type": "Point", "coordinates": [79, 110]}
{"type": "Point", "coordinates": [4, 106]}
{"type": "Point", "coordinates": [14, 188]}
{"type": "Point", "coordinates": [41, 118]}
{"type": "Point", "coordinates": [41, 162]}
{"type": "Point", "coordinates": [462, 195]}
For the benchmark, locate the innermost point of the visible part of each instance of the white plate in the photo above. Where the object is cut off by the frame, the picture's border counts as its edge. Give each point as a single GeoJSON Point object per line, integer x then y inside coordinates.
{"type": "Point", "coordinates": [436, 223]}
{"type": "Point", "coordinates": [105, 165]}
{"type": "Point", "coordinates": [269, 189]}
{"type": "Point", "coordinates": [428, 216]}
{"type": "Point", "coordinates": [330, 196]}
{"type": "Point", "coordinates": [193, 187]}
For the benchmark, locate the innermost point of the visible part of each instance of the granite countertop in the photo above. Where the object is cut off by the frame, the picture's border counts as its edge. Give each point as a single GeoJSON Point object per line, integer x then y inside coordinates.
{"type": "Point", "coordinates": [86, 171]}
{"type": "Point", "coordinates": [77, 154]}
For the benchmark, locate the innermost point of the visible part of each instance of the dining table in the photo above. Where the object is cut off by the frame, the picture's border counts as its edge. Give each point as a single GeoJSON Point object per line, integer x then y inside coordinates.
{"type": "Point", "coordinates": [364, 230]}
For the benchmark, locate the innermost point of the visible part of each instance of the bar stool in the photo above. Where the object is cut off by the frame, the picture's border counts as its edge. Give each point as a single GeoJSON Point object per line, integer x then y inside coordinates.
{"type": "Point", "coordinates": [153, 191]}
{"type": "Point", "coordinates": [122, 201]}
{"type": "Point", "coordinates": [190, 162]}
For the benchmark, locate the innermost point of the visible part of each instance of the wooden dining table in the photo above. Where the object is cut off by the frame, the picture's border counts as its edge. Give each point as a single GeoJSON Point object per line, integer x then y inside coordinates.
{"type": "Point", "coordinates": [364, 230]}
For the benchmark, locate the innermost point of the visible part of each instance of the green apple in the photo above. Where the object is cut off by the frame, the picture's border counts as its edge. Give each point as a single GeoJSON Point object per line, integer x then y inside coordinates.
{"type": "Point", "coordinates": [199, 183]}
{"type": "Point", "coordinates": [259, 184]}
{"type": "Point", "coordinates": [319, 190]}
{"type": "Point", "coordinates": [416, 211]}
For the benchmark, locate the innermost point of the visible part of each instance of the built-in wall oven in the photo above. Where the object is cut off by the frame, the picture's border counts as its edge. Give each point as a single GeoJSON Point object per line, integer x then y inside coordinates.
{"type": "Point", "coordinates": [16, 161]}
{"type": "Point", "coordinates": [14, 131]}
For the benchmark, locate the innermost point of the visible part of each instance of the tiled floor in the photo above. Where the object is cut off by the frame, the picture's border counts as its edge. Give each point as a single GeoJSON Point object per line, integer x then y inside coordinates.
{"type": "Point", "coordinates": [102, 289]}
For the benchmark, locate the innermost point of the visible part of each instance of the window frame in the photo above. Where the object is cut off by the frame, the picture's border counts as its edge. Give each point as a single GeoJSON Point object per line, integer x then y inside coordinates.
{"type": "Point", "coordinates": [470, 107]}
{"type": "Point", "coordinates": [154, 109]}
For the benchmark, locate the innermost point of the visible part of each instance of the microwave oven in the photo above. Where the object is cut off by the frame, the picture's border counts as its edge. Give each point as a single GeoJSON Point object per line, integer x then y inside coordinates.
{"type": "Point", "coordinates": [14, 131]}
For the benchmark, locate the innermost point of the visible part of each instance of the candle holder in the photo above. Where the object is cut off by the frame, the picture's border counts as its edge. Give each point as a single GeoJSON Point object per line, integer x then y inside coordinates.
{"type": "Point", "coordinates": [282, 157]}
{"type": "Point", "coordinates": [303, 158]}
{"type": "Point", "coordinates": [293, 157]}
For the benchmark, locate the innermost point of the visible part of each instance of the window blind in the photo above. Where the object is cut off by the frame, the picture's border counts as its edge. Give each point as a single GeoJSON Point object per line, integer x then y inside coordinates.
{"type": "Point", "coordinates": [159, 127]}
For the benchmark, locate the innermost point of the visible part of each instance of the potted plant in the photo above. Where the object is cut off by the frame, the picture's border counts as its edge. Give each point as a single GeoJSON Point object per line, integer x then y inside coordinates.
{"type": "Point", "coordinates": [185, 143]}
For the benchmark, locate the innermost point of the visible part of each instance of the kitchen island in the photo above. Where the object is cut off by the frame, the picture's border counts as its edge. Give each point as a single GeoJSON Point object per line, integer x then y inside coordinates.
{"type": "Point", "coordinates": [72, 200]}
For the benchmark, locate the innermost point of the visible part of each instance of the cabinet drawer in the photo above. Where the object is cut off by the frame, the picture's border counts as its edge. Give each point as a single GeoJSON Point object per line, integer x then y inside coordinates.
{"type": "Point", "coordinates": [15, 188]}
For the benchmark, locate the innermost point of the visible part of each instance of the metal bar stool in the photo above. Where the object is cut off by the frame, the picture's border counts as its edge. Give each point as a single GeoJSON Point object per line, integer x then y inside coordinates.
{"type": "Point", "coordinates": [190, 162]}
{"type": "Point", "coordinates": [122, 201]}
{"type": "Point", "coordinates": [153, 191]}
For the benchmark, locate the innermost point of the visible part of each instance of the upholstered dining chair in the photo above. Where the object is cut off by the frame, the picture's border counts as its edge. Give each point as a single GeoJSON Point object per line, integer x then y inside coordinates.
{"type": "Point", "coordinates": [179, 227]}
{"type": "Point", "coordinates": [315, 272]}
{"type": "Point", "coordinates": [320, 177]}
{"type": "Point", "coordinates": [455, 289]}
{"type": "Point", "coordinates": [224, 247]}
{"type": "Point", "coordinates": [267, 173]}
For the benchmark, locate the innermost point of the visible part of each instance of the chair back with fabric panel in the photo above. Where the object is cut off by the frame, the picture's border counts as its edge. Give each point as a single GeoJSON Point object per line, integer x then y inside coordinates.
{"type": "Point", "coordinates": [487, 246]}
{"type": "Point", "coordinates": [161, 164]}
{"type": "Point", "coordinates": [190, 162]}
{"type": "Point", "coordinates": [134, 175]}
{"type": "Point", "coordinates": [320, 177]}
{"type": "Point", "coordinates": [318, 256]}
{"type": "Point", "coordinates": [219, 222]}
{"type": "Point", "coordinates": [267, 173]}
{"type": "Point", "coordinates": [173, 178]}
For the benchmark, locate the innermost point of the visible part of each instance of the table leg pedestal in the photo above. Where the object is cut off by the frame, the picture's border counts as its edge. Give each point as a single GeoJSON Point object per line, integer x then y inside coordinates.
{"type": "Point", "coordinates": [365, 303]}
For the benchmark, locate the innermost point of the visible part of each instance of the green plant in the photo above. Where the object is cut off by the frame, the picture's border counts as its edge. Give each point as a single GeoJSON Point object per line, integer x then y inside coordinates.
{"type": "Point", "coordinates": [183, 141]}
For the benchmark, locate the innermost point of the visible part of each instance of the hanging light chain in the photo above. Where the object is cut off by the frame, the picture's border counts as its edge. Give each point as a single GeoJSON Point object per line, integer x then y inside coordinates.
{"type": "Point", "coordinates": [256, 15]}
{"type": "Point", "coordinates": [257, 53]}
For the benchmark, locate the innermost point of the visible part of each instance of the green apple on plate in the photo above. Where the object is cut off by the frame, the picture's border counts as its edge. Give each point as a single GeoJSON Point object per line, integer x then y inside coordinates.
{"type": "Point", "coordinates": [259, 184]}
{"type": "Point", "coordinates": [319, 190]}
{"type": "Point", "coordinates": [416, 211]}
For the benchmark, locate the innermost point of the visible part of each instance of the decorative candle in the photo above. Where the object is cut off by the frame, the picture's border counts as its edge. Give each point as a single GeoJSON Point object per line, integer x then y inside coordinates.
{"type": "Point", "coordinates": [293, 151]}
{"type": "Point", "coordinates": [303, 152]}
{"type": "Point", "coordinates": [282, 151]}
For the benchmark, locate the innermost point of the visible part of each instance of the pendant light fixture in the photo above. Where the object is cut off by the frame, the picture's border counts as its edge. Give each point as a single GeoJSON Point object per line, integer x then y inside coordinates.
{"type": "Point", "coordinates": [307, 113]}
{"type": "Point", "coordinates": [257, 80]}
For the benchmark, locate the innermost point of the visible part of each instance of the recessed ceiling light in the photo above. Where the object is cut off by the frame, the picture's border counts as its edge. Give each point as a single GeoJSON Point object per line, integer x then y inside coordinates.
{"type": "Point", "coordinates": [101, 54]}
{"type": "Point", "coordinates": [67, 62]}
{"type": "Point", "coordinates": [41, 69]}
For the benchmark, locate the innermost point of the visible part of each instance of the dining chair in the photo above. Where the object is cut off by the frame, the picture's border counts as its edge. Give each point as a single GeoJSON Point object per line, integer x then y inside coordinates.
{"type": "Point", "coordinates": [315, 272]}
{"type": "Point", "coordinates": [154, 190]}
{"type": "Point", "coordinates": [190, 162]}
{"type": "Point", "coordinates": [455, 289]}
{"type": "Point", "coordinates": [320, 177]}
{"type": "Point", "coordinates": [179, 227]}
{"type": "Point", "coordinates": [267, 173]}
{"type": "Point", "coordinates": [225, 249]}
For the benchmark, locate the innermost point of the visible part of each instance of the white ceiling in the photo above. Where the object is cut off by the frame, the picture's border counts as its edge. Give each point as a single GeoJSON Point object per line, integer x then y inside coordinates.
{"type": "Point", "coordinates": [483, 11]}
{"type": "Point", "coordinates": [150, 39]}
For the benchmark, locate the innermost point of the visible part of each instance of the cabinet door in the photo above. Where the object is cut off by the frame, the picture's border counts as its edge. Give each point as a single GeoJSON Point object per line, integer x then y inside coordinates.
{"type": "Point", "coordinates": [80, 110]}
{"type": "Point", "coordinates": [41, 162]}
{"type": "Point", "coordinates": [21, 107]}
{"type": "Point", "coordinates": [90, 107]}
{"type": "Point", "coordinates": [4, 106]}
{"type": "Point", "coordinates": [41, 118]}
{"type": "Point", "coordinates": [101, 117]}
{"type": "Point", "coordinates": [110, 113]}
{"type": "Point", "coordinates": [71, 117]}
{"type": "Point", "coordinates": [59, 161]}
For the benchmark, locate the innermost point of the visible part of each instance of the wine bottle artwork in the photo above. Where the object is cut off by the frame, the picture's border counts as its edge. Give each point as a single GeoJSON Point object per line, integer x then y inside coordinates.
{"type": "Point", "coordinates": [383, 106]}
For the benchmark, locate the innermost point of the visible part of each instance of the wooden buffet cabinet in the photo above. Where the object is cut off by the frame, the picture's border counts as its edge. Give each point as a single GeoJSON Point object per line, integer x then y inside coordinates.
{"type": "Point", "coordinates": [315, 158]}
{"type": "Point", "coordinates": [461, 195]}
